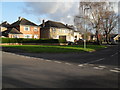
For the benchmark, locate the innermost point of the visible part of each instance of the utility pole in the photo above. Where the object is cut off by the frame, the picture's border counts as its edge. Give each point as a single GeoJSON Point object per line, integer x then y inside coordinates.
{"type": "Point", "coordinates": [85, 8]}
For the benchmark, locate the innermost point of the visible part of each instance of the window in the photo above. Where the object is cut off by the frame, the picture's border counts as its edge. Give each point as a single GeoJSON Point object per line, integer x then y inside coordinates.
{"type": "Point", "coordinates": [26, 28]}
{"type": "Point", "coordinates": [35, 29]}
{"type": "Point", "coordinates": [54, 30]}
{"type": "Point", "coordinates": [60, 30]}
{"type": "Point", "coordinates": [27, 36]}
{"type": "Point", "coordinates": [15, 36]}
{"type": "Point", "coordinates": [66, 31]}
{"type": "Point", "coordinates": [35, 36]}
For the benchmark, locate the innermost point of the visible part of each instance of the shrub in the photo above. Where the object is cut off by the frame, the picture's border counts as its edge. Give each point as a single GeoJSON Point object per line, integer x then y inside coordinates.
{"type": "Point", "coordinates": [62, 41]}
{"type": "Point", "coordinates": [23, 40]}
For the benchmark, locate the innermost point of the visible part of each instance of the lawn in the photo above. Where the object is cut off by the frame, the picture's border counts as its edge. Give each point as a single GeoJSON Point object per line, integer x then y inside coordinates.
{"type": "Point", "coordinates": [55, 49]}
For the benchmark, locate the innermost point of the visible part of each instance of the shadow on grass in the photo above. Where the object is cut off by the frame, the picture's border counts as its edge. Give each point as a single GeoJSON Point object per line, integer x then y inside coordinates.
{"type": "Point", "coordinates": [73, 57]}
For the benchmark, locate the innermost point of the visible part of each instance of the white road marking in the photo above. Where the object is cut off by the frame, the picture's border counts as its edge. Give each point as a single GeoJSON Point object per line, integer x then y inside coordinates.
{"type": "Point", "coordinates": [114, 70]}
{"type": "Point", "coordinates": [35, 58]}
{"type": "Point", "coordinates": [23, 56]}
{"type": "Point", "coordinates": [91, 64]}
{"type": "Point", "coordinates": [98, 68]}
{"type": "Point", "coordinates": [102, 66]}
{"type": "Point", "coordinates": [48, 60]}
{"type": "Point", "coordinates": [41, 59]}
{"type": "Point", "coordinates": [27, 57]}
{"type": "Point", "coordinates": [57, 62]}
{"type": "Point", "coordinates": [80, 65]}
{"type": "Point", "coordinates": [114, 54]}
{"type": "Point", "coordinates": [95, 61]}
{"type": "Point", "coordinates": [117, 68]}
{"type": "Point", "coordinates": [68, 63]}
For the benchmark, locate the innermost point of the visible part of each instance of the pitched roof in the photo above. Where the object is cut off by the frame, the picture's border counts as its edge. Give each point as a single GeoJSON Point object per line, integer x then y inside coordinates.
{"type": "Point", "coordinates": [11, 31]}
{"type": "Point", "coordinates": [23, 21]}
{"type": "Point", "coordinates": [4, 24]}
{"type": "Point", "coordinates": [55, 24]}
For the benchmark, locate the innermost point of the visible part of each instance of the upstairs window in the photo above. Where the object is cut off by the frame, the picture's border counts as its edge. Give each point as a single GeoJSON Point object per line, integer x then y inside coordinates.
{"type": "Point", "coordinates": [54, 30]}
{"type": "Point", "coordinates": [26, 28]}
{"type": "Point", "coordinates": [35, 29]}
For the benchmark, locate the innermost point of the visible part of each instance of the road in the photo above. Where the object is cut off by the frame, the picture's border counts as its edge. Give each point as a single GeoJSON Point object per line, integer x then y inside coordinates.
{"type": "Point", "coordinates": [71, 70]}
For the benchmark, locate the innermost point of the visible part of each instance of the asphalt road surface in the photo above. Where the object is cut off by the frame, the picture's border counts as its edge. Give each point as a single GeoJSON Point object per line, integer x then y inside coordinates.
{"type": "Point", "coordinates": [71, 70]}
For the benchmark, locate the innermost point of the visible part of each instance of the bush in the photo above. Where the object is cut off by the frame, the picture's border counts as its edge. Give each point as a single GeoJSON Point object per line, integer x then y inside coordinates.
{"type": "Point", "coordinates": [23, 40]}
{"type": "Point", "coordinates": [62, 41]}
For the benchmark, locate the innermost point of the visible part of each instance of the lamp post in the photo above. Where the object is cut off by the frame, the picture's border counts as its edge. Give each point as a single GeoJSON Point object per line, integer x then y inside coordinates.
{"type": "Point", "coordinates": [85, 8]}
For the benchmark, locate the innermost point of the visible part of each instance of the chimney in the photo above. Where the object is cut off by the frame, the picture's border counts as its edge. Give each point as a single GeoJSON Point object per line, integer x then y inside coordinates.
{"type": "Point", "coordinates": [19, 18]}
{"type": "Point", "coordinates": [5, 22]}
{"type": "Point", "coordinates": [43, 22]}
{"type": "Point", "coordinates": [66, 25]}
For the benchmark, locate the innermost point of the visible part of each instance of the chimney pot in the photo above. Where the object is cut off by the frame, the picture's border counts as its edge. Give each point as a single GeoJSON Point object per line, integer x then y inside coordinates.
{"type": "Point", "coordinates": [19, 18]}
{"type": "Point", "coordinates": [66, 24]}
{"type": "Point", "coordinates": [43, 22]}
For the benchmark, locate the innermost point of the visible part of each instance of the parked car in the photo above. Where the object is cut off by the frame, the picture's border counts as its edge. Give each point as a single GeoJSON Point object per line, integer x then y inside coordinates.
{"type": "Point", "coordinates": [70, 43]}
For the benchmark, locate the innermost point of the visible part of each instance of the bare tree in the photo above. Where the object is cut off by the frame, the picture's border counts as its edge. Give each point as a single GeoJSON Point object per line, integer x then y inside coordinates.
{"type": "Point", "coordinates": [99, 16]}
{"type": "Point", "coordinates": [109, 22]}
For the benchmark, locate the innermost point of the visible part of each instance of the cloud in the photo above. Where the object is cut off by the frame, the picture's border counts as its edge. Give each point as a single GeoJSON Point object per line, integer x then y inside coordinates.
{"type": "Point", "coordinates": [57, 11]}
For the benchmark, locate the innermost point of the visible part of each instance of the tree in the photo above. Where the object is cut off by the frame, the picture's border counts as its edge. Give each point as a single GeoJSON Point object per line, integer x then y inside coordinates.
{"type": "Point", "coordinates": [109, 22]}
{"type": "Point", "coordinates": [100, 17]}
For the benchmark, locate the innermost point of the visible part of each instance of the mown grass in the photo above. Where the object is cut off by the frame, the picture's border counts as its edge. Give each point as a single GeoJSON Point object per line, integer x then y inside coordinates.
{"type": "Point", "coordinates": [55, 49]}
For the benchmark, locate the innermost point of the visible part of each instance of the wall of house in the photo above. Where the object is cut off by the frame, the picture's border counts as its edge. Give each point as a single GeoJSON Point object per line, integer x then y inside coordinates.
{"type": "Point", "coordinates": [77, 35]}
{"type": "Point", "coordinates": [31, 32]}
{"type": "Point", "coordinates": [3, 29]}
{"type": "Point", "coordinates": [15, 35]}
{"type": "Point", "coordinates": [55, 33]}
{"type": "Point", "coordinates": [117, 37]}
{"type": "Point", "coordinates": [45, 33]}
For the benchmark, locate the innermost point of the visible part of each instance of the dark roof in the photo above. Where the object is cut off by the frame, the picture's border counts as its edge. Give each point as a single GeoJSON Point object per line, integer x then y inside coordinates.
{"type": "Point", "coordinates": [11, 31]}
{"type": "Point", "coordinates": [55, 24]}
{"type": "Point", "coordinates": [23, 21]}
{"type": "Point", "coordinates": [5, 24]}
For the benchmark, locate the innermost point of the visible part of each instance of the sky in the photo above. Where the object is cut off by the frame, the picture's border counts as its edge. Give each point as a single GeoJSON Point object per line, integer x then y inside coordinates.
{"type": "Point", "coordinates": [37, 11]}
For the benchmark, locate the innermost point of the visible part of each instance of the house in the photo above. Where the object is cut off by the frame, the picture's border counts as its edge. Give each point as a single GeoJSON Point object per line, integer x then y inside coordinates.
{"type": "Point", "coordinates": [77, 35]}
{"type": "Point", "coordinates": [57, 30]}
{"type": "Point", "coordinates": [115, 38]}
{"type": "Point", "coordinates": [22, 28]}
{"type": "Point", "coordinates": [4, 26]}
{"type": "Point", "coordinates": [12, 33]}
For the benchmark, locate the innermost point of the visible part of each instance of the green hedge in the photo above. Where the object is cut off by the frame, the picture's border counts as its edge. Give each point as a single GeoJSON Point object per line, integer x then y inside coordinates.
{"type": "Point", "coordinates": [23, 40]}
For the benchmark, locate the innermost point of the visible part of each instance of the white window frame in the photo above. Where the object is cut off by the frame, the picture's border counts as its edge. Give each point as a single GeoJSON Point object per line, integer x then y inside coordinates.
{"type": "Point", "coordinates": [36, 36]}
{"type": "Point", "coordinates": [26, 27]}
{"type": "Point", "coordinates": [54, 30]}
{"type": "Point", "coordinates": [15, 36]}
{"type": "Point", "coordinates": [26, 35]}
{"type": "Point", "coordinates": [35, 29]}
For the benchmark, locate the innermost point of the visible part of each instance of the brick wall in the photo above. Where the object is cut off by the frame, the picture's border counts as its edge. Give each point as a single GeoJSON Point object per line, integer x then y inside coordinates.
{"type": "Point", "coordinates": [31, 31]}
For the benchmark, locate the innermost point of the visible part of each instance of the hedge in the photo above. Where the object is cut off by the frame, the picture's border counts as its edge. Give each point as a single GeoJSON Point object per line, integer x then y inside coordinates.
{"type": "Point", "coordinates": [23, 40]}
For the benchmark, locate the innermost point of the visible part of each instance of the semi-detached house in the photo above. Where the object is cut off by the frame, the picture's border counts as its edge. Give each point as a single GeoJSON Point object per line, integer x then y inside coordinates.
{"type": "Point", "coordinates": [22, 28]}
{"type": "Point", "coordinates": [58, 30]}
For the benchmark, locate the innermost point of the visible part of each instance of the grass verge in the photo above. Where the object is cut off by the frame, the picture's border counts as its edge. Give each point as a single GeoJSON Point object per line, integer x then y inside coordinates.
{"type": "Point", "coordinates": [55, 49]}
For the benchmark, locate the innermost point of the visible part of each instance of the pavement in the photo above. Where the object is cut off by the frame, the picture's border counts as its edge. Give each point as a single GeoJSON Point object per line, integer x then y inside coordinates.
{"type": "Point", "coordinates": [57, 70]}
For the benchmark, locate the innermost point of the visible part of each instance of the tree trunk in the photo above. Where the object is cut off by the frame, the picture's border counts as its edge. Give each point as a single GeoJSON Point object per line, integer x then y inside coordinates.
{"type": "Point", "coordinates": [98, 41]}
{"type": "Point", "coordinates": [107, 37]}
